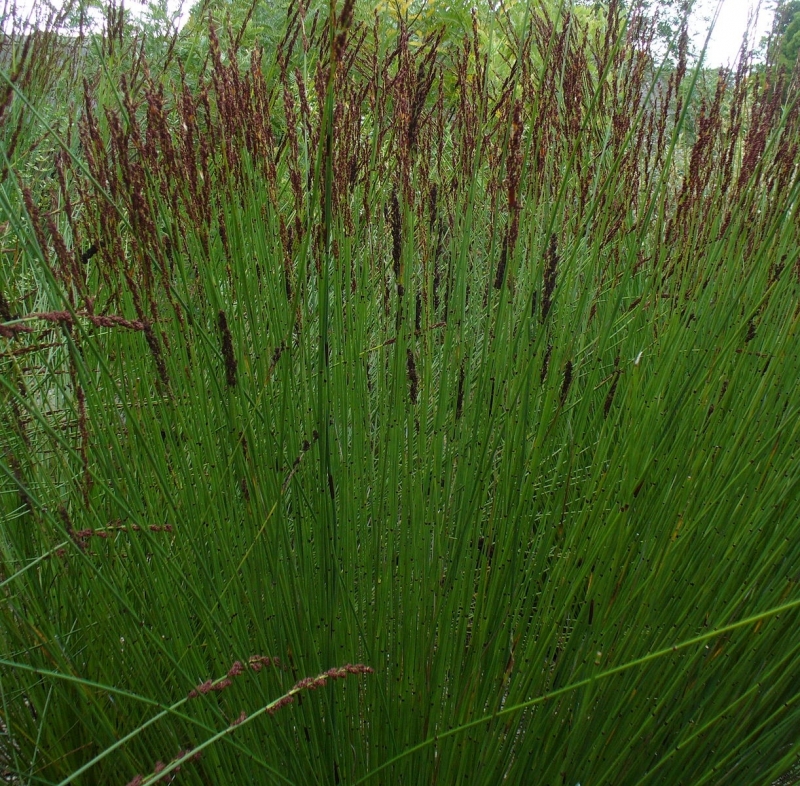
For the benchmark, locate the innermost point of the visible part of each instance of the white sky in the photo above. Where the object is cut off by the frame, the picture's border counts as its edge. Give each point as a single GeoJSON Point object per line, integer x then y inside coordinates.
{"type": "Point", "coordinates": [729, 29]}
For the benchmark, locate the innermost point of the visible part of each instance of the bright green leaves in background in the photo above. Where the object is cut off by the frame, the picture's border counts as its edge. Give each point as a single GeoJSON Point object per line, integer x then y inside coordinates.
{"type": "Point", "coordinates": [786, 30]}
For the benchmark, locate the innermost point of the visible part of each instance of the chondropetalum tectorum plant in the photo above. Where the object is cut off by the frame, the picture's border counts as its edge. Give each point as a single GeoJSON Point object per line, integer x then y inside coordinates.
{"type": "Point", "coordinates": [471, 363]}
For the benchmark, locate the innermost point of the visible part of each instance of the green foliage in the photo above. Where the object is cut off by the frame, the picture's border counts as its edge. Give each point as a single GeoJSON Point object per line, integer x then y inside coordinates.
{"type": "Point", "coordinates": [786, 28]}
{"type": "Point", "coordinates": [258, 25]}
{"type": "Point", "coordinates": [402, 413]}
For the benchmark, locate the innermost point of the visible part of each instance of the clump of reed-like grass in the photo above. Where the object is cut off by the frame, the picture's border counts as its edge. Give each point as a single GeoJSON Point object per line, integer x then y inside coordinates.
{"type": "Point", "coordinates": [478, 374]}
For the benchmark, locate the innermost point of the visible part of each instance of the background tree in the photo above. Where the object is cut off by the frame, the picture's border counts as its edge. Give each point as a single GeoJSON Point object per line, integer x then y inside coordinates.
{"type": "Point", "coordinates": [786, 33]}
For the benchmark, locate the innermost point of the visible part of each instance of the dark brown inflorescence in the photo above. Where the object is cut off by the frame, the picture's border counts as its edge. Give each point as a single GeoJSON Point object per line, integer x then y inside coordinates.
{"type": "Point", "coordinates": [549, 276]}
{"type": "Point", "coordinates": [227, 349]}
{"type": "Point", "coordinates": [413, 379]}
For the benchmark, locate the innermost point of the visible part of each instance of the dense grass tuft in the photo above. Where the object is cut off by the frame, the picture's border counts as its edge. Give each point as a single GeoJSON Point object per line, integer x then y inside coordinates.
{"type": "Point", "coordinates": [474, 366]}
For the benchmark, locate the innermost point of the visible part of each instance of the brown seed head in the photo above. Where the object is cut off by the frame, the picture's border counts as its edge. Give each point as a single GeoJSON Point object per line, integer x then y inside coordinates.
{"type": "Point", "coordinates": [227, 350]}
{"type": "Point", "coordinates": [413, 380]}
{"type": "Point", "coordinates": [545, 363]}
{"type": "Point", "coordinates": [549, 276]}
{"type": "Point", "coordinates": [567, 381]}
